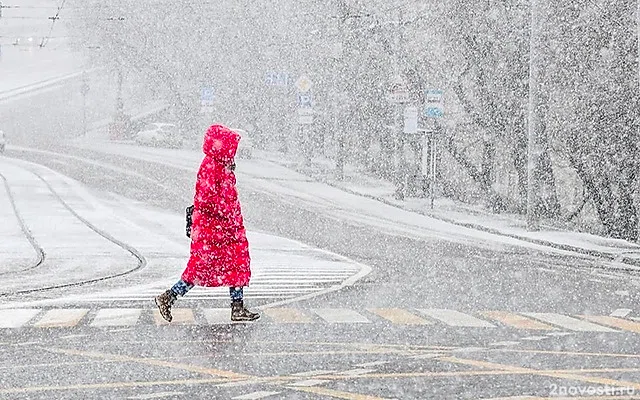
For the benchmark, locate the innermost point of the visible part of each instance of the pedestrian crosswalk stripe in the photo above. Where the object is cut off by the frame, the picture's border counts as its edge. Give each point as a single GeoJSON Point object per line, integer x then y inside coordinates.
{"type": "Point", "coordinates": [217, 316]}
{"type": "Point", "coordinates": [116, 317]}
{"type": "Point", "coordinates": [15, 318]}
{"type": "Point", "coordinates": [58, 318]}
{"type": "Point", "coordinates": [340, 315]}
{"type": "Point", "coordinates": [287, 315]}
{"type": "Point", "coordinates": [268, 281]}
{"type": "Point", "coordinates": [516, 321]}
{"type": "Point", "coordinates": [573, 324]}
{"type": "Point", "coordinates": [181, 316]}
{"type": "Point", "coordinates": [455, 318]}
{"type": "Point", "coordinates": [126, 317]}
{"type": "Point", "coordinates": [399, 316]}
{"type": "Point", "coordinates": [614, 322]}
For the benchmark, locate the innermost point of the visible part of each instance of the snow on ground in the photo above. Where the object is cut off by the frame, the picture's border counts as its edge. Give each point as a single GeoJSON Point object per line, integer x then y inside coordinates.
{"type": "Point", "coordinates": [72, 249]}
{"type": "Point", "coordinates": [58, 210]}
{"type": "Point", "coordinates": [474, 216]}
{"type": "Point", "coordinates": [368, 200]}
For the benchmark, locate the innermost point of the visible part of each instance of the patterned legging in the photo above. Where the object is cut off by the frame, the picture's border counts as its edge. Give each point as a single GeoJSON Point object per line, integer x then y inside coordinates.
{"type": "Point", "coordinates": [181, 288]}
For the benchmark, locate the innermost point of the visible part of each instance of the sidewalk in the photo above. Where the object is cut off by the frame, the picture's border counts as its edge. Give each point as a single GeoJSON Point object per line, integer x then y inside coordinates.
{"type": "Point", "coordinates": [471, 216]}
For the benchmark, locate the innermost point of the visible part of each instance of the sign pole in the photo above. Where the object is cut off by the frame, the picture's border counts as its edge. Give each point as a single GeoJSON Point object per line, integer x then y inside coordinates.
{"type": "Point", "coordinates": [432, 184]}
{"type": "Point", "coordinates": [305, 115]}
{"type": "Point", "coordinates": [433, 109]}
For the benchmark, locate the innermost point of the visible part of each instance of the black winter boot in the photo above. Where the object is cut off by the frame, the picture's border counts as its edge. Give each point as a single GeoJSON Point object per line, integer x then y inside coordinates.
{"type": "Point", "coordinates": [240, 313]}
{"type": "Point", "coordinates": [164, 303]}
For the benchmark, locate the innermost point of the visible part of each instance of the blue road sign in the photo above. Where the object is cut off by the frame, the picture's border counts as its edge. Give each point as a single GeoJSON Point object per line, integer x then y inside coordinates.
{"type": "Point", "coordinates": [207, 96]}
{"type": "Point", "coordinates": [433, 112]}
{"type": "Point", "coordinates": [273, 78]}
{"type": "Point", "coordinates": [305, 100]}
{"type": "Point", "coordinates": [433, 107]}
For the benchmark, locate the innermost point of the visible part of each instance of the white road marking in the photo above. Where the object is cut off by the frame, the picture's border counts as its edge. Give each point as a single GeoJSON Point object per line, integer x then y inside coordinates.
{"type": "Point", "coordinates": [315, 372]}
{"type": "Point", "coordinates": [560, 334]}
{"type": "Point", "coordinates": [271, 279]}
{"type": "Point", "coordinates": [357, 372]}
{"type": "Point", "coordinates": [621, 312]}
{"type": "Point", "coordinates": [181, 316]}
{"type": "Point", "coordinates": [428, 356]}
{"type": "Point", "coordinates": [534, 338]}
{"type": "Point", "coordinates": [77, 336]}
{"type": "Point", "coordinates": [340, 315]}
{"type": "Point", "coordinates": [622, 292]}
{"type": "Point", "coordinates": [255, 395]}
{"type": "Point", "coordinates": [250, 382]}
{"type": "Point", "coordinates": [566, 322]}
{"type": "Point", "coordinates": [116, 317]}
{"type": "Point", "coordinates": [16, 317]}
{"type": "Point", "coordinates": [468, 350]}
{"type": "Point", "coordinates": [372, 364]}
{"type": "Point", "coordinates": [61, 318]}
{"type": "Point", "coordinates": [455, 318]}
{"type": "Point", "coordinates": [399, 316]}
{"type": "Point", "coordinates": [159, 395]}
{"type": "Point", "coordinates": [217, 316]}
{"type": "Point", "coordinates": [287, 315]}
{"type": "Point", "coordinates": [504, 344]}
{"type": "Point", "coordinates": [309, 382]}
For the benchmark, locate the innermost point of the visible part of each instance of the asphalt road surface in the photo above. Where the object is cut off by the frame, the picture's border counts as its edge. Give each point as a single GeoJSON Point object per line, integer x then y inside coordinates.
{"type": "Point", "coordinates": [440, 316]}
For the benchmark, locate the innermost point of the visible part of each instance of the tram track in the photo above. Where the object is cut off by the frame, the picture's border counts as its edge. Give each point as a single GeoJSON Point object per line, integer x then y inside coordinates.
{"type": "Point", "coordinates": [40, 253]}
{"type": "Point", "coordinates": [140, 263]}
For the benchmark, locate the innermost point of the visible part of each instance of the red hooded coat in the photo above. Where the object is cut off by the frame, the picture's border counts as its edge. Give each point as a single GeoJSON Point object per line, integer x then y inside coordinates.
{"type": "Point", "coordinates": [219, 246]}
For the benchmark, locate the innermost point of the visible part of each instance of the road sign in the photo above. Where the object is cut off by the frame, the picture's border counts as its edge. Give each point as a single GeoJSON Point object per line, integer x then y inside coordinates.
{"type": "Point", "coordinates": [304, 84]}
{"type": "Point", "coordinates": [411, 120]}
{"type": "Point", "coordinates": [273, 78]}
{"type": "Point", "coordinates": [399, 97]}
{"type": "Point", "coordinates": [398, 92]}
{"type": "Point", "coordinates": [434, 107]}
{"type": "Point", "coordinates": [305, 100]}
{"type": "Point", "coordinates": [207, 96]}
{"type": "Point", "coordinates": [305, 116]}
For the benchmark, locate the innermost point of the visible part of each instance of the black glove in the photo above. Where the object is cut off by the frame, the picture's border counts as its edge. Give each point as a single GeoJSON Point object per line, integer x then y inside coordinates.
{"type": "Point", "coordinates": [189, 216]}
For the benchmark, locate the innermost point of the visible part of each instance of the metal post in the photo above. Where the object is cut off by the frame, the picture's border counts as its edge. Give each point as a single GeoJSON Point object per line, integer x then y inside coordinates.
{"type": "Point", "coordinates": [343, 17]}
{"type": "Point", "coordinates": [425, 162]}
{"type": "Point", "coordinates": [398, 151]}
{"type": "Point", "coordinates": [432, 183]}
{"type": "Point", "coordinates": [536, 113]}
{"type": "Point", "coordinates": [398, 143]}
{"type": "Point", "coordinates": [306, 145]}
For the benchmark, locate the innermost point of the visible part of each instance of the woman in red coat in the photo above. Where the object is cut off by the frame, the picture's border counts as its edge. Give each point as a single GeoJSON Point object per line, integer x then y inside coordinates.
{"type": "Point", "coordinates": [219, 246]}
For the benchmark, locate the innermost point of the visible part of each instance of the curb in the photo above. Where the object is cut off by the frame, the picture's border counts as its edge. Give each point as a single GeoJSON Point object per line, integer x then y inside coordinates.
{"type": "Point", "coordinates": [630, 264]}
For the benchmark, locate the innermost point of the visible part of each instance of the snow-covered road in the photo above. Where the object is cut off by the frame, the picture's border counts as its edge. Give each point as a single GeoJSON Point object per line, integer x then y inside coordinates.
{"type": "Point", "coordinates": [134, 251]}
